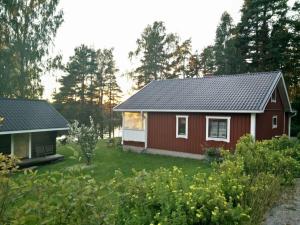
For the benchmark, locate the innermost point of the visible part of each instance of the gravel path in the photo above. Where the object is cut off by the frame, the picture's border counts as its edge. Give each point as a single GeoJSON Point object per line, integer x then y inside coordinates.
{"type": "Point", "coordinates": [287, 212]}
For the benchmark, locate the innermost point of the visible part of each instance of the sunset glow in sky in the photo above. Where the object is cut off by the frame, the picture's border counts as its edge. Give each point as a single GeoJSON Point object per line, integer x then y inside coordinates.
{"type": "Point", "coordinates": [118, 23]}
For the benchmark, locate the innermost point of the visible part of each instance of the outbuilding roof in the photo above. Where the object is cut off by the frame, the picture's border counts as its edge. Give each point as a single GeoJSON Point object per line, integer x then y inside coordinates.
{"type": "Point", "coordinates": [240, 93]}
{"type": "Point", "coordinates": [22, 116]}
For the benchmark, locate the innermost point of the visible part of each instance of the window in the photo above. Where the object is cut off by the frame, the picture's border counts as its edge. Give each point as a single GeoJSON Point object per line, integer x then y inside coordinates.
{"type": "Point", "coordinates": [218, 128]}
{"type": "Point", "coordinates": [133, 121]}
{"type": "Point", "coordinates": [273, 98]}
{"type": "Point", "coordinates": [274, 122]}
{"type": "Point", "coordinates": [182, 126]}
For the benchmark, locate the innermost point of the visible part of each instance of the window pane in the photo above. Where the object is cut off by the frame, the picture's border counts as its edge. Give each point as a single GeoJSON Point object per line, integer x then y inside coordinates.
{"type": "Point", "coordinates": [133, 120]}
{"type": "Point", "coordinates": [274, 121]}
{"type": "Point", "coordinates": [181, 126]}
{"type": "Point", "coordinates": [222, 129]}
{"type": "Point", "coordinates": [213, 128]}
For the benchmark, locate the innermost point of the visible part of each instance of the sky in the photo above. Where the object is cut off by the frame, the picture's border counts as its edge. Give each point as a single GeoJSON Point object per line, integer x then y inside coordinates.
{"type": "Point", "coordinates": [119, 23]}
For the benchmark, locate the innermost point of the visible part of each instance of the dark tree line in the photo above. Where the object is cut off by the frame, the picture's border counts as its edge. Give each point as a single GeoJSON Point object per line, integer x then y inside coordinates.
{"type": "Point", "coordinates": [89, 88]}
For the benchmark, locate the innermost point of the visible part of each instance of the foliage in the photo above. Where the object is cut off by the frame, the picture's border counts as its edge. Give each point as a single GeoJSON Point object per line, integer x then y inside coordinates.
{"type": "Point", "coordinates": [295, 120]}
{"type": "Point", "coordinates": [59, 198]}
{"type": "Point", "coordinates": [238, 191]}
{"type": "Point", "coordinates": [170, 197]}
{"type": "Point", "coordinates": [87, 138]}
{"type": "Point", "coordinates": [114, 142]}
{"type": "Point", "coordinates": [89, 88]}
{"type": "Point", "coordinates": [213, 153]}
{"type": "Point", "coordinates": [160, 55]}
{"type": "Point", "coordinates": [207, 61]}
{"type": "Point", "coordinates": [8, 165]}
{"type": "Point", "coordinates": [227, 58]}
{"type": "Point", "coordinates": [269, 156]}
{"type": "Point", "coordinates": [266, 39]}
{"type": "Point", "coordinates": [26, 30]}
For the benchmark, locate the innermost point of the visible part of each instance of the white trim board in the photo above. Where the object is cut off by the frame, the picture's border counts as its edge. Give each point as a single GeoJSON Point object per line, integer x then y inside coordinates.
{"type": "Point", "coordinates": [228, 128]}
{"type": "Point", "coordinates": [253, 125]}
{"type": "Point", "coordinates": [32, 131]}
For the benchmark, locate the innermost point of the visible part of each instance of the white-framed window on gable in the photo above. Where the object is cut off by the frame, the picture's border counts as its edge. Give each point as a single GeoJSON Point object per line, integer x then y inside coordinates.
{"type": "Point", "coordinates": [274, 121]}
{"type": "Point", "coordinates": [218, 128]}
{"type": "Point", "coordinates": [273, 98]}
{"type": "Point", "coordinates": [182, 126]}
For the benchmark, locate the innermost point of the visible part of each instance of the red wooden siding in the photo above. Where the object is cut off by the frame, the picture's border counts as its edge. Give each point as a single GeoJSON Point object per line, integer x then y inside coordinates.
{"type": "Point", "coordinates": [134, 143]}
{"type": "Point", "coordinates": [264, 128]}
{"type": "Point", "coordinates": [162, 132]}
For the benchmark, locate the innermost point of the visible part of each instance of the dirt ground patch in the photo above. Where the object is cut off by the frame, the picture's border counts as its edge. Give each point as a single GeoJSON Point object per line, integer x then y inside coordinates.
{"type": "Point", "coordinates": [287, 211]}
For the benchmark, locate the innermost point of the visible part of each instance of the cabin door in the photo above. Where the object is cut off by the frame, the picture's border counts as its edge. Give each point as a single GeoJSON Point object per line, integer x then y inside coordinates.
{"type": "Point", "coordinates": [21, 145]}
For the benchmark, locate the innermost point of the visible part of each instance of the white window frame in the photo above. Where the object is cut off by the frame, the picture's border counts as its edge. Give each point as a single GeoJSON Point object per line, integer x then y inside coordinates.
{"type": "Point", "coordinates": [274, 99]}
{"type": "Point", "coordinates": [186, 126]}
{"type": "Point", "coordinates": [274, 126]}
{"type": "Point", "coordinates": [228, 128]}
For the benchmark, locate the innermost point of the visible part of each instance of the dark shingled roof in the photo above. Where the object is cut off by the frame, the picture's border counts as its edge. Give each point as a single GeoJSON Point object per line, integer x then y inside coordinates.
{"type": "Point", "coordinates": [232, 93]}
{"type": "Point", "coordinates": [22, 115]}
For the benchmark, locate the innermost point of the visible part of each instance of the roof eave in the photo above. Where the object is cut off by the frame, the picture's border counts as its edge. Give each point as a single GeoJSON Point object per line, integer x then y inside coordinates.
{"type": "Point", "coordinates": [33, 131]}
{"type": "Point", "coordinates": [192, 111]}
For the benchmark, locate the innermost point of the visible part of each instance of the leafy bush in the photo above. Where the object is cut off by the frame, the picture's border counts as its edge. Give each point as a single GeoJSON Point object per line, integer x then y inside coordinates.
{"type": "Point", "coordinates": [8, 165]}
{"type": "Point", "coordinates": [270, 156]}
{"type": "Point", "coordinates": [170, 197]}
{"type": "Point", "coordinates": [238, 191]}
{"type": "Point", "coordinates": [213, 154]}
{"type": "Point", "coordinates": [114, 142]}
{"type": "Point", "coordinates": [59, 198]}
{"type": "Point", "coordinates": [260, 194]}
{"type": "Point", "coordinates": [86, 137]}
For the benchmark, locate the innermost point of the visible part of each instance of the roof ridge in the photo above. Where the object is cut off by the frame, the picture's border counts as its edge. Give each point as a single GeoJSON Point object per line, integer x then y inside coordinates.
{"type": "Point", "coordinates": [224, 75]}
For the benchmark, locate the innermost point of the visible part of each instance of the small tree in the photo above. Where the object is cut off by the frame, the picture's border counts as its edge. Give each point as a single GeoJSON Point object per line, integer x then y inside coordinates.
{"type": "Point", "coordinates": [86, 137]}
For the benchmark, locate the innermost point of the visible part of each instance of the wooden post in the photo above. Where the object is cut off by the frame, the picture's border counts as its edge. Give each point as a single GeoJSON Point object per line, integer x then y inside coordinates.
{"type": "Point", "coordinates": [29, 146]}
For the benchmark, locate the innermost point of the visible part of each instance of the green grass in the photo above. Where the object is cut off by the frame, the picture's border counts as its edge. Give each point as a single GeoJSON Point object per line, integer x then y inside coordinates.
{"type": "Point", "coordinates": [109, 159]}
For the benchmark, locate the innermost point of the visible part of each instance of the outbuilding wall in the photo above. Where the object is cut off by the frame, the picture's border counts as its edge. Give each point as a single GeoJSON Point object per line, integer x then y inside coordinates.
{"type": "Point", "coordinates": [264, 128]}
{"type": "Point", "coordinates": [162, 132]}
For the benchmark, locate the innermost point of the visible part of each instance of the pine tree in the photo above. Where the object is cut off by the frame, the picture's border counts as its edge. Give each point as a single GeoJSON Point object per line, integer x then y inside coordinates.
{"type": "Point", "coordinates": [113, 93]}
{"type": "Point", "coordinates": [227, 57]}
{"type": "Point", "coordinates": [160, 55]}
{"type": "Point", "coordinates": [262, 23]}
{"type": "Point", "coordinates": [207, 61]}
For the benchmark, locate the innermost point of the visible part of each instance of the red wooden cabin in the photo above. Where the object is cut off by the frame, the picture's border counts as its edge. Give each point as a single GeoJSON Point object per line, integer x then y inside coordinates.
{"type": "Point", "coordinates": [184, 117]}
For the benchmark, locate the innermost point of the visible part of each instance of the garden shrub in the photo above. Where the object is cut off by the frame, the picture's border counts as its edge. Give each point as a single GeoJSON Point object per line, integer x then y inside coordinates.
{"type": "Point", "coordinates": [238, 191]}
{"type": "Point", "coordinates": [261, 193]}
{"type": "Point", "coordinates": [169, 197]}
{"type": "Point", "coordinates": [86, 137]}
{"type": "Point", "coordinates": [114, 142]}
{"type": "Point", "coordinates": [213, 154]}
{"type": "Point", "coordinates": [270, 156]}
{"type": "Point", "coordinates": [8, 195]}
{"type": "Point", "coordinates": [59, 198]}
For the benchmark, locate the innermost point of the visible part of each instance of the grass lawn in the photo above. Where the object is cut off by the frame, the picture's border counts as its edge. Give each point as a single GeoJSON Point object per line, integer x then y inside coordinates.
{"type": "Point", "coordinates": [109, 159]}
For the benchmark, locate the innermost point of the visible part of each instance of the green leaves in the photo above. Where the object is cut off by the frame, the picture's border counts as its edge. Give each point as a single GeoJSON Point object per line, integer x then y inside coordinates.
{"type": "Point", "coordinates": [27, 29]}
{"type": "Point", "coordinates": [86, 137]}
